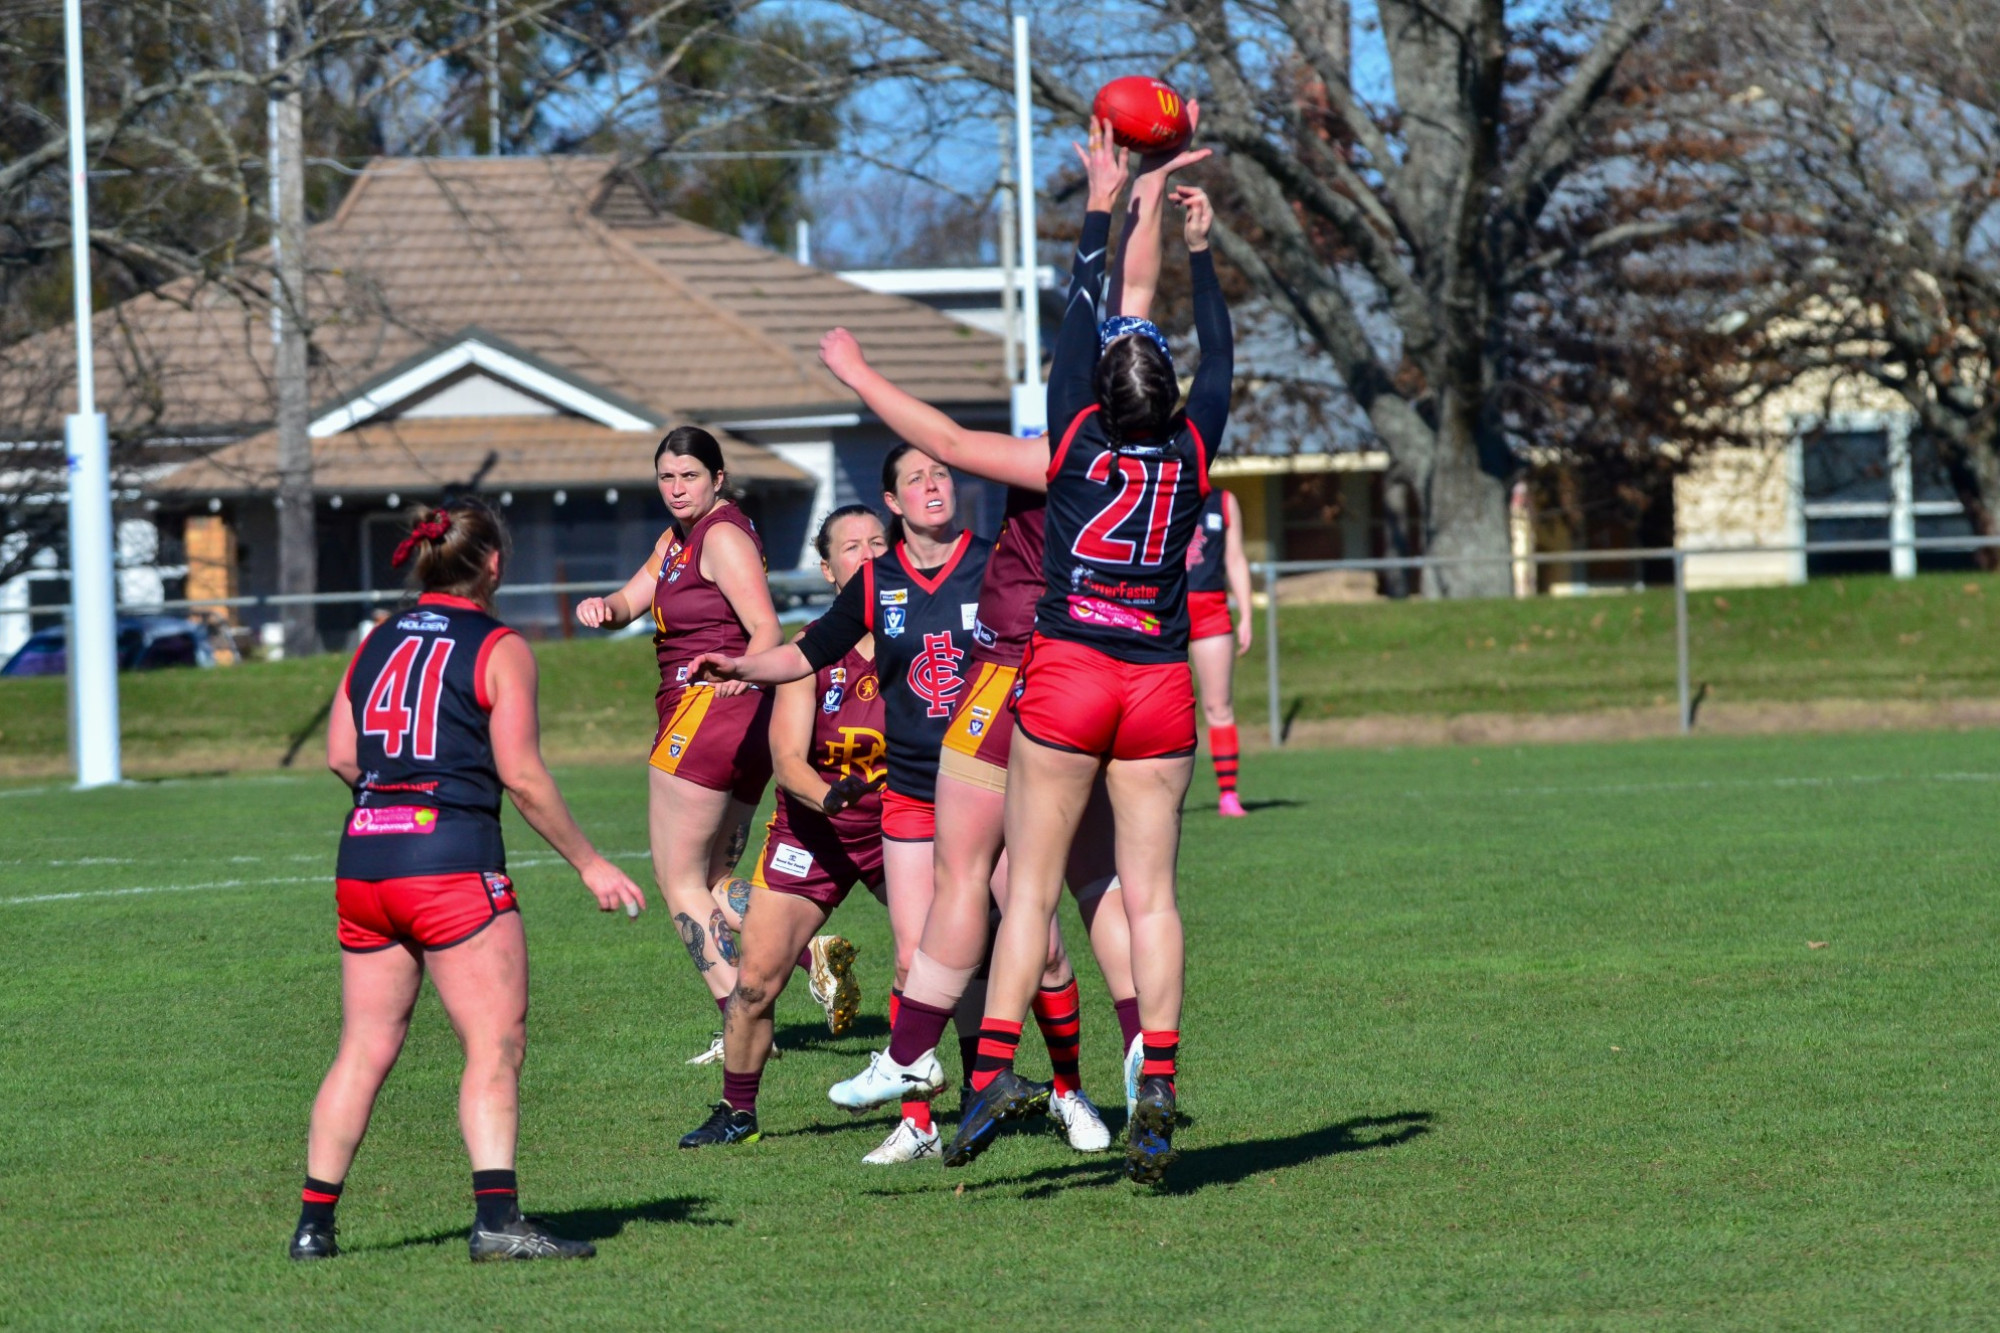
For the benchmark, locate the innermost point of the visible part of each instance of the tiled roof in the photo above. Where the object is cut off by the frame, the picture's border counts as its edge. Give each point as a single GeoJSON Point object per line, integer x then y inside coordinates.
{"type": "Point", "coordinates": [557, 255]}
{"type": "Point", "coordinates": [429, 453]}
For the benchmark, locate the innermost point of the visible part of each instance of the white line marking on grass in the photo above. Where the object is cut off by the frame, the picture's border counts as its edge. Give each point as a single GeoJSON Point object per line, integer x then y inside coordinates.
{"type": "Point", "coordinates": [157, 888]}
{"type": "Point", "coordinates": [74, 895]}
{"type": "Point", "coordinates": [1707, 784]}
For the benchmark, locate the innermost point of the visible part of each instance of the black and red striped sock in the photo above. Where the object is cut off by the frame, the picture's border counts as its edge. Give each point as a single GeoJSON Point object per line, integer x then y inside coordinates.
{"type": "Point", "coordinates": [497, 1196]}
{"type": "Point", "coordinates": [998, 1040]}
{"type": "Point", "coordinates": [895, 1006]}
{"type": "Point", "coordinates": [740, 1090]}
{"type": "Point", "coordinates": [316, 1202]}
{"type": "Point", "coordinates": [1058, 1014]}
{"type": "Point", "coordinates": [1223, 751]}
{"type": "Point", "coordinates": [1162, 1050]}
{"type": "Point", "coordinates": [1128, 1022]}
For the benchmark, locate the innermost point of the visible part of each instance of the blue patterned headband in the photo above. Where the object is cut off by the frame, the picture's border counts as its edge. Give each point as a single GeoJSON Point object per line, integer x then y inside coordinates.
{"type": "Point", "coordinates": [1119, 325]}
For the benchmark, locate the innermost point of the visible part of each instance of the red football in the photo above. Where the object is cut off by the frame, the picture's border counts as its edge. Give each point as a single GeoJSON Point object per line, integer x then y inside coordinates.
{"type": "Point", "coordinates": [1146, 115]}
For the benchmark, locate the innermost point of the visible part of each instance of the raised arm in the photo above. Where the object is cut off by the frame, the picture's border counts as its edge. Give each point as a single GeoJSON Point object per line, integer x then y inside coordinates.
{"type": "Point", "coordinates": [981, 453]}
{"type": "Point", "coordinates": [1073, 370]}
{"type": "Point", "coordinates": [512, 683]}
{"type": "Point", "coordinates": [1135, 274]}
{"type": "Point", "coordinates": [827, 639]}
{"type": "Point", "coordinates": [630, 602]}
{"type": "Point", "coordinates": [1214, 378]}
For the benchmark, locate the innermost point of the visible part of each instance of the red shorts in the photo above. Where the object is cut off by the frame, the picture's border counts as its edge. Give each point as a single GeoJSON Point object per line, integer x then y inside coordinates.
{"type": "Point", "coordinates": [429, 911]}
{"type": "Point", "coordinates": [907, 819]}
{"type": "Point", "coordinates": [722, 744]}
{"type": "Point", "coordinates": [1208, 615]}
{"type": "Point", "coordinates": [981, 735]}
{"type": "Point", "coordinates": [816, 859]}
{"type": "Point", "coordinates": [1076, 698]}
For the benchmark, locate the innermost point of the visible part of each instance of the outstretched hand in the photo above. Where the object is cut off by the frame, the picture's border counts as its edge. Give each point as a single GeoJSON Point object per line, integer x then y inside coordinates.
{"type": "Point", "coordinates": [841, 353]}
{"type": "Point", "coordinates": [612, 888]}
{"type": "Point", "coordinates": [1200, 215]}
{"type": "Point", "coordinates": [1166, 164]}
{"type": "Point", "coordinates": [1106, 165]}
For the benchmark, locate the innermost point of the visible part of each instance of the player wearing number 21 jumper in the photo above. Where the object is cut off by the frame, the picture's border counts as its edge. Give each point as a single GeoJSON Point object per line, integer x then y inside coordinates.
{"type": "Point", "coordinates": [1105, 685]}
{"type": "Point", "coordinates": [435, 717]}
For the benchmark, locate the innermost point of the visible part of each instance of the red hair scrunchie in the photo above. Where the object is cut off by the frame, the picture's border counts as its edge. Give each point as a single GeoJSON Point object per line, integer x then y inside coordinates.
{"type": "Point", "coordinates": [429, 530]}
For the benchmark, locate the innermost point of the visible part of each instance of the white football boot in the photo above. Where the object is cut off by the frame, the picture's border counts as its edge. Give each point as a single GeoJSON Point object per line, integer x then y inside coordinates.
{"type": "Point", "coordinates": [886, 1081]}
{"type": "Point", "coordinates": [906, 1143]}
{"type": "Point", "coordinates": [713, 1055]}
{"type": "Point", "coordinates": [832, 981]}
{"type": "Point", "coordinates": [1080, 1121]}
{"type": "Point", "coordinates": [1135, 1060]}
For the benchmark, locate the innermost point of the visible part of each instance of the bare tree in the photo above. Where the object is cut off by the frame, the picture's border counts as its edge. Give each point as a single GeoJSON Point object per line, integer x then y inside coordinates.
{"type": "Point", "coordinates": [1426, 206]}
{"type": "Point", "coordinates": [1879, 176]}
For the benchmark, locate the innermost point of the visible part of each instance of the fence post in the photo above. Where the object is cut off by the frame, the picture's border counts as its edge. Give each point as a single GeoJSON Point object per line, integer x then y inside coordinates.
{"type": "Point", "coordinates": [1271, 652]}
{"type": "Point", "coordinates": [1681, 638]}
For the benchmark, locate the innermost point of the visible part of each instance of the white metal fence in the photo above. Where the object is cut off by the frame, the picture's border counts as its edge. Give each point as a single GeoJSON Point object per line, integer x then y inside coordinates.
{"type": "Point", "coordinates": [1270, 571]}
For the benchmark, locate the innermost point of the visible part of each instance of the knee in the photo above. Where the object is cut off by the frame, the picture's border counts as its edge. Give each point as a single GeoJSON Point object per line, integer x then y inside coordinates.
{"type": "Point", "coordinates": [500, 1053]}
{"type": "Point", "coordinates": [753, 997]}
{"type": "Point", "coordinates": [1218, 712]}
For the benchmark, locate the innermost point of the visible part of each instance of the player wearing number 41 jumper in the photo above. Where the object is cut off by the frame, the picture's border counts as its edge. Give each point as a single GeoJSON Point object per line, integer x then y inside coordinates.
{"type": "Point", "coordinates": [434, 718]}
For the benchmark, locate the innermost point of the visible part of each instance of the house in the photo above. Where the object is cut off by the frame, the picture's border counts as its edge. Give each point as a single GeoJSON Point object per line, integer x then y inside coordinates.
{"type": "Point", "coordinates": [528, 327]}
{"type": "Point", "coordinates": [1841, 463]}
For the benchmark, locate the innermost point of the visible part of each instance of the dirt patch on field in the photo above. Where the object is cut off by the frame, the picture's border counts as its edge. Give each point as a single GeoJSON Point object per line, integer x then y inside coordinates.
{"type": "Point", "coordinates": [1622, 724]}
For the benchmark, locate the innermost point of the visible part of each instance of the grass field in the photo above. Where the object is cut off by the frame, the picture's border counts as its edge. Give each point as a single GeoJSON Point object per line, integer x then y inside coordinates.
{"type": "Point", "coordinates": [1927, 639]}
{"type": "Point", "coordinates": [1499, 1038]}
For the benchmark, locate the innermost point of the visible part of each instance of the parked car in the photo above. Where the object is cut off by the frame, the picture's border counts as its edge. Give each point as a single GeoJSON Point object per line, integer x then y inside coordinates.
{"type": "Point", "coordinates": [145, 643]}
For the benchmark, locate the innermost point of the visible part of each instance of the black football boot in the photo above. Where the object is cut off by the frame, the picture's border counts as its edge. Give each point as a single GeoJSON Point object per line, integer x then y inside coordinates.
{"type": "Point", "coordinates": [1149, 1138]}
{"type": "Point", "coordinates": [725, 1125]}
{"type": "Point", "coordinates": [1007, 1097]}
{"type": "Point", "coordinates": [524, 1238]}
{"type": "Point", "coordinates": [314, 1240]}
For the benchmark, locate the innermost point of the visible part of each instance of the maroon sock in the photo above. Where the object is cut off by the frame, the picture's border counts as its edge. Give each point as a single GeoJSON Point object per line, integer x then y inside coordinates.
{"type": "Point", "coordinates": [918, 1027]}
{"type": "Point", "coordinates": [722, 1005]}
{"type": "Point", "coordinates": [805, 963]}
{"type": "Point", "coordinates": [1128, 1020]}
{"type": "Point", "coordinates": [740, 1090]}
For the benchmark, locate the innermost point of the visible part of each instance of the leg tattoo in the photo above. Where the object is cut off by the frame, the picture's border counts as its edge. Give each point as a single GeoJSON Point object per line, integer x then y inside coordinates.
{"type": "Point", "coordinates": [739, 897]}
{"type": "Point", "coordinates": [725, 938]}
{"type": "Point", "coordinates": [738, 840]}
{"type": "Point", "coordinates": [692, 936]}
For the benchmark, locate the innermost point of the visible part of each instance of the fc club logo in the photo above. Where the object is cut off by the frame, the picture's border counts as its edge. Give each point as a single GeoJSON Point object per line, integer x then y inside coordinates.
{"type": "Point", "coordinates": [934, 675]}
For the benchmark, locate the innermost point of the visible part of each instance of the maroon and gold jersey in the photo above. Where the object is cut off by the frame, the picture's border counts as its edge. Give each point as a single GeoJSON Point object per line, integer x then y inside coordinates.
{"type": "Point", "coordinates": [1013, 582]}
{"type": "Point", "coordinates": [690, 614]}
{"type": "Point", "coordinates": [847, 737]}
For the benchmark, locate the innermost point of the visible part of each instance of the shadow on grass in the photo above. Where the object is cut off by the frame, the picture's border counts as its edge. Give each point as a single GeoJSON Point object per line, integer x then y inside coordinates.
{"type": "Point", "coordinates": [869, 1032]}
{"type": "Point", "coordinates": [1223, 1163]}
{"type": "Point", "coordinates": [588, 1223]}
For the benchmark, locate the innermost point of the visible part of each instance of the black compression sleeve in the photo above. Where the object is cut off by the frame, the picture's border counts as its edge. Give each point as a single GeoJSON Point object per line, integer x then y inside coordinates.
{"type": "Point", "coordinates": [844, 625]}
{"type": "Point", "coordinates": [1073, 372]}
{"type": "Point", "coordinates": [1208, 397]}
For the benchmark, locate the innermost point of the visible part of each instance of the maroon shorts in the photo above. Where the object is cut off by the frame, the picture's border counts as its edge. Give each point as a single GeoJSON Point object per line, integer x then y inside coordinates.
{"type": "Point", "coordinates": [817, 860]}
{"type": "Point", "coordinates": [1076, 698]}
{"type": "Point", "coordinates": [1208, 615]}
{"type": "Point", "coordinates": [981, 735]}
{"type": "Point", "coordinates": [907, 819]}
{"type": "Point", "coordinates": [722, 744]}
{"type": "Point", "coordinates": [429, 911]}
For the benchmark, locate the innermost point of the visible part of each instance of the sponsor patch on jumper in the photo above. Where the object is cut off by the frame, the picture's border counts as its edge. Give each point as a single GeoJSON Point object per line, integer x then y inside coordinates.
{"type": "Point", "coordinates": [968, 615]}
{"type": "Point", "coordinates": [370, 820]}
{"type": "Point", "coordinates": [982, 633]}
{"type": "Point", "coordinates": [894, 596]}
{"type": "Point", "coordinates": [830, 702]}
{"type": "Point", "coordinates": [424, 622]}
{"type": "Point", "coordinates": [1214, 522]}
{"type": "Point", "coordinates": [790, 860]}
{"type": "Point", "coordinates": [1094, 611]}
{"type": "Point", "coordinates": [892, 621]}
{"type": "Point", "coordinates": [681, 673]}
